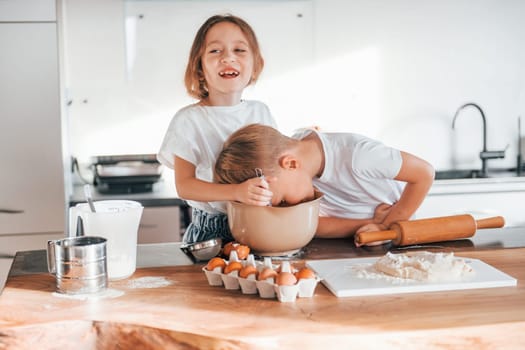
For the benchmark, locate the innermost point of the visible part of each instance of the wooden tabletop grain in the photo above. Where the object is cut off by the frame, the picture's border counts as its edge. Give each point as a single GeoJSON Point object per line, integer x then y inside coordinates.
{"type": "Point", "coordinates": [189, 312]}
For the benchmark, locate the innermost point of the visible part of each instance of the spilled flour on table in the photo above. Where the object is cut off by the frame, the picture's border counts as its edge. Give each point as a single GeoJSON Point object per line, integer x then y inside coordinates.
{"type": "Point", "coordinates": [107, 293]}
{"type": "Point", "coordinates": [149, 282]}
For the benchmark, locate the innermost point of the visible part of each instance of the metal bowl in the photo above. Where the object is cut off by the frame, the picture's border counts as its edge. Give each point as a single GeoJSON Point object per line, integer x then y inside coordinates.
{"type": "Point", "coordinates": [202, 251]}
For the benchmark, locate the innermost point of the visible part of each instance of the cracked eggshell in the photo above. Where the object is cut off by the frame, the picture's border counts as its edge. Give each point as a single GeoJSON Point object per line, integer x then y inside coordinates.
{"type": "Point", "coordinates": [248, 276]}
{"type": "Point", "coordinates": [230, 275]}
{"type": "Point", "coordinates": [216, 264]}
{"type": "Point", "coordinates": [241, 250]}
{"type": "Point", "coordinates": [213, 270]}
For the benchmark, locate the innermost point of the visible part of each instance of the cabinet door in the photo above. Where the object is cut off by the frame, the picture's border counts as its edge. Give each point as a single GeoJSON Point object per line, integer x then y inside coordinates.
{"type": "Point", "coordinates": [479, 205]}
{"type": "Point", "coordinates": [31, 166]}
{"type": "Point", "coordinates": [159, 225]}
{"type": "Point", "coordinates": [27, 10]}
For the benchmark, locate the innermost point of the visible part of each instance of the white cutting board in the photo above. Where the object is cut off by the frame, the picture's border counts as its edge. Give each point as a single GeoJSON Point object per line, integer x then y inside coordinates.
{"type": "Point", "coordinates": [341, 278]}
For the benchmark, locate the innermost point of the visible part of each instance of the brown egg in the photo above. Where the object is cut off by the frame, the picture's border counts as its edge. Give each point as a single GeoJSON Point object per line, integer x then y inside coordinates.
{"type": "Point", "coordinates": [282, 268]}
{"type": "Point", "coordinates": [286, 279]}
{"type": "Point", "coordinates": [267, 272]}
{"type": "Point", "coordinates": [247, 271]}
{"type": "Point", "coordinates": [304, 273]}
{"type": "Point", "coordinates": [232, 266]}
{"type": "Point", "coordinates": [242, 250]}
{"type": "Point", "coordinates": [226, 250]}
{"type": "Point", "coordinates": [214, 263]}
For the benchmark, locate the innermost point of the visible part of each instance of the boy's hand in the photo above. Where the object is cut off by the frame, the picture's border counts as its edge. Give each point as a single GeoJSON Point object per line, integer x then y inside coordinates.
{"type": "Point", "coordinates": [254, 191]}
{"type": "Point", "coordinates": [371, 228]}
{"type": "Point", "coordinates": [381, 212]}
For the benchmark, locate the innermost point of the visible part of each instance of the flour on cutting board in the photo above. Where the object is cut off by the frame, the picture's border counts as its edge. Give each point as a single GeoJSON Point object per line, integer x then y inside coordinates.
{"type": "Point", "coordinates": [419, 266]}
{"type": "Point", "coordinates": [365, 276]}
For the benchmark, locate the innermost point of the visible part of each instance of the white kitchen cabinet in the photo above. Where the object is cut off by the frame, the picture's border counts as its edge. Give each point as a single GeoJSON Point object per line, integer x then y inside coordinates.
{"type": "Point", "coordinates": [479, 197]}
{"type": "Point", "coordinates": [160, 224]}
{"type": "Point", "coordinates": [27, 10]}
{"type": "Point", "coordinates": [32, 193]}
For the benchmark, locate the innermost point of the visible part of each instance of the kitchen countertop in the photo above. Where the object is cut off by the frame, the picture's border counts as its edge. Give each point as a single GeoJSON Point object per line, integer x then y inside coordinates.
{"type": "Point", "coordinates": [162, 194]}
{"type": "Point", "coordinates": [189, 312]}
{"type": "Point", "coordinates": [169, 254]}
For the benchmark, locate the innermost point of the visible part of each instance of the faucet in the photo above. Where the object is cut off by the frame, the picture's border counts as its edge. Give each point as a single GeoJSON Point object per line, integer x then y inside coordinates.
{"type": "Point", "coordinates": [484, 154]}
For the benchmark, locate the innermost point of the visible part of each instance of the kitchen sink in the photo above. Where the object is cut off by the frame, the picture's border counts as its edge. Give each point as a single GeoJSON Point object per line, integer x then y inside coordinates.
{"type": "Point", "coordinates": [457, 174]}
{"type": "Point", "coordinates": [475, 174]}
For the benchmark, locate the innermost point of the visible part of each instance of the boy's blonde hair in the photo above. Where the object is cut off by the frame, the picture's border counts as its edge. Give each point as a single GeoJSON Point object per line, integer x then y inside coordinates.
{"type": "Point", "coordinates": [194, 76]}
{"type": "Point", "coordinates": [252, 147]}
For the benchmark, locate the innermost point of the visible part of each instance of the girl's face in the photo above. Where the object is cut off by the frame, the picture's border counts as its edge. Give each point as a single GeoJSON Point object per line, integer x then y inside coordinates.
{"type": "Point", "coordinates": [227, 63]}
{"type": "Point", "coordinates": [291, 187]}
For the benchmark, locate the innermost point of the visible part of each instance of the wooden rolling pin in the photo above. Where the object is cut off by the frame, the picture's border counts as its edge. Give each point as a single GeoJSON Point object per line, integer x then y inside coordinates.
{"type": "Point", "coordinates": [446, 228]}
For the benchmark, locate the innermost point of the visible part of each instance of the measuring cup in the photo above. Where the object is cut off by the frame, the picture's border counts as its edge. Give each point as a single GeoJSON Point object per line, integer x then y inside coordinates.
{"type": "Point", "coordinates": [118, 222]}
{"type": "Point", "coordinates": [79, 264]}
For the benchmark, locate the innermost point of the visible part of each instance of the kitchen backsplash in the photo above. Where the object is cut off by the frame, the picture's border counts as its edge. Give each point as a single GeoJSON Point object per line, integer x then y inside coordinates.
{"type": "Point", "coordinates": [396, 72]}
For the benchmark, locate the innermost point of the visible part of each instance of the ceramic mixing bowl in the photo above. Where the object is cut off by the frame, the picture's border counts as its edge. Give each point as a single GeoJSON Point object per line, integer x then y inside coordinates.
{"type": "Point", "coordinates": [274, 231]}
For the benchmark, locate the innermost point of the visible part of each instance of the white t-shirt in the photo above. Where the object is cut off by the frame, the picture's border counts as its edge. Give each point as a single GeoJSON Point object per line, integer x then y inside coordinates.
{"type": "Point", "coordinates": [197, 133]}
{"type": "Point", "coordinates": [358, 175]}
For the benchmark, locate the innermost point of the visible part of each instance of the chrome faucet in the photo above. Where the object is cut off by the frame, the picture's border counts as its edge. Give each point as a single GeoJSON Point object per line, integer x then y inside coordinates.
{"type": "Point", "coordinates": [484, 154]}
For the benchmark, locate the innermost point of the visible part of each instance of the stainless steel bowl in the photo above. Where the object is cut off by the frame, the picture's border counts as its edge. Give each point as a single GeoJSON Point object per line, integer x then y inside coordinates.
{"type": "Point", "coordinates": [202, 251]}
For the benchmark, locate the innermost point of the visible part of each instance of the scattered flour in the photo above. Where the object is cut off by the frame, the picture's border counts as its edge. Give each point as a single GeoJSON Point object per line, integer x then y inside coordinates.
{"type": "Point", "coordinates": [418, 266]}
{"type": "Point", "coordinates": [107, 293]}
{"type": "Point", "coordinates": [149, 282]}
{"type": "Point", "coordinates": [368, 271]}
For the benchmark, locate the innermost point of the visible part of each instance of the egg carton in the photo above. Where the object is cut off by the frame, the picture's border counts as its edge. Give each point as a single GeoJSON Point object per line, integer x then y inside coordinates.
{"type": "Point", "coordinates": [267, 289]}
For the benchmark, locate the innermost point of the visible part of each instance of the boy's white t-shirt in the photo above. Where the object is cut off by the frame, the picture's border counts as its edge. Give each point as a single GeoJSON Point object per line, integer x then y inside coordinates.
{"type": "Point", "coordinates": [358, 174]}
{"type": "Point", "coordinates": [197, 134]}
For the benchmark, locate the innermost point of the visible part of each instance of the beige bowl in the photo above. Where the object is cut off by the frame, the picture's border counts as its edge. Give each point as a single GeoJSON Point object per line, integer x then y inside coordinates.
{"type": "Point", "coordinates": [274, 231]}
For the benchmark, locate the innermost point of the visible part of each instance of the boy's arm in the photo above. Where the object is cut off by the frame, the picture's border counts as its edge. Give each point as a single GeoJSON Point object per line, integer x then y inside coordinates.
{"type": "Point", "coordinates": [332, 227]}
{"type": "Point", "coordinates": [253, 191]}
{"type": "Point", "coordinates": [419, 176]}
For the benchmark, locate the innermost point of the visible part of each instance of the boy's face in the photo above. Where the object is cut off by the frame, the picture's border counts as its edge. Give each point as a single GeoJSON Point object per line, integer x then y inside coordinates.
{"type": "Point", "coordinates": [291, 187]}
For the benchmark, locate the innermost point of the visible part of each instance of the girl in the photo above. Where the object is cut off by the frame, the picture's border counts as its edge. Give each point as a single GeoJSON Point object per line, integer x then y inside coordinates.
{"type": "Point", "coordinates": [224, 59]}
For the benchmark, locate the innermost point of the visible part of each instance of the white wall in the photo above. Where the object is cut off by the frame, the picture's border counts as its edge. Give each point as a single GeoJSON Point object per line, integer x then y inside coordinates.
{"type": "Point", "coordinates": [395, 70]}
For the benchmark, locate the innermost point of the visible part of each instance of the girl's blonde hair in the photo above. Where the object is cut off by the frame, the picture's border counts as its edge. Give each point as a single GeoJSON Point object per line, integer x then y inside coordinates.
{"type": "Point", "coordinates": [249, 149]}
{"type": "Point", "coordinates": [194, 76]}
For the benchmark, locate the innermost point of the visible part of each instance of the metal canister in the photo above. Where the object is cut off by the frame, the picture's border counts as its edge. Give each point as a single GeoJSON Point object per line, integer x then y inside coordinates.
{"type": "Point", "coordinates": [79, 264]}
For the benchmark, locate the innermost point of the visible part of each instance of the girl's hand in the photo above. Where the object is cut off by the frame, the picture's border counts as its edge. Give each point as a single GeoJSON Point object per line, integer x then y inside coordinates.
{"type": "Point", "coordinates": [254, 191]}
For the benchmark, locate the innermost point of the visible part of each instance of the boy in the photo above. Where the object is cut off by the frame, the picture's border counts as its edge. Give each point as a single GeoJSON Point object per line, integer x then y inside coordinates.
{"type": "Point", "coordinates": [366, 185]}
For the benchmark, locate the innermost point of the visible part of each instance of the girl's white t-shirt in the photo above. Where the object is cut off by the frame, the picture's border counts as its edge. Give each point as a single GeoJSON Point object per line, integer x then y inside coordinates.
{"type": "Point", "coordinates": [358, 174]}
{"type": "Point", "coordinates": [197, 134]}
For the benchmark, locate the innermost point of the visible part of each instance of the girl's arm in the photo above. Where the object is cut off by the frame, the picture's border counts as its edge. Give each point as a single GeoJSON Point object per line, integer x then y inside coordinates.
{"type": "Point", "coordinates": [419, 176]}
{"type": "Point", "coordinates": [253, 191]}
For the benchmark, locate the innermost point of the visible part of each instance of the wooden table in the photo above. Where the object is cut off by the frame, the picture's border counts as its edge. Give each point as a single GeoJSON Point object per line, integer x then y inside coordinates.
{"type": "Point", "coordinates": [189, 312]}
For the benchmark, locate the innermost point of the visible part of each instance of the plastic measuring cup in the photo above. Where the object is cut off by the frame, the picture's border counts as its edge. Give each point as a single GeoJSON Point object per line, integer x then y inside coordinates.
{"type": "Point", "coordinates": [118, 222]}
